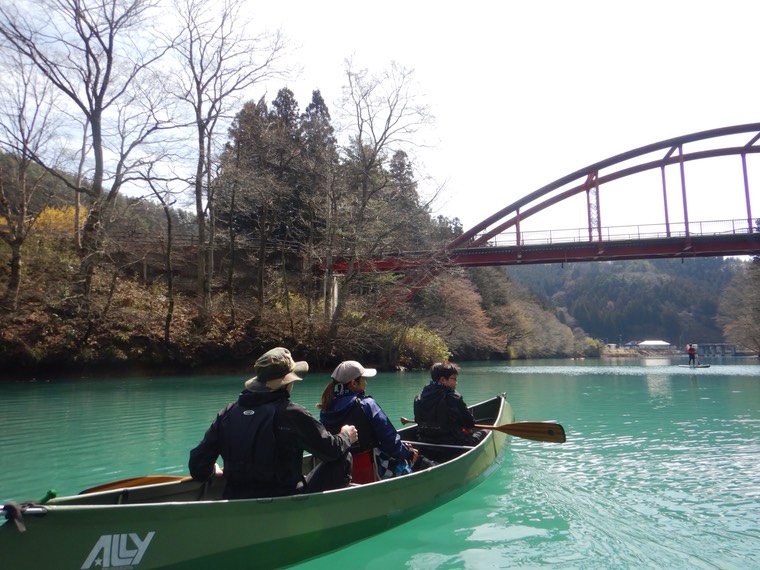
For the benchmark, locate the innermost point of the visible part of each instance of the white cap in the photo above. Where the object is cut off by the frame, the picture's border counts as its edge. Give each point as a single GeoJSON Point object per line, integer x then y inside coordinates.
{"type": "Point", "coordinates": [351, 370]}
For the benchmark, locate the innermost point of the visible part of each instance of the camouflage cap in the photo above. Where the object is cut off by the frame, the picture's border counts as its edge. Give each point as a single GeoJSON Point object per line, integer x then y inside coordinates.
{"type": "Point", "coordinates": [276, 369]}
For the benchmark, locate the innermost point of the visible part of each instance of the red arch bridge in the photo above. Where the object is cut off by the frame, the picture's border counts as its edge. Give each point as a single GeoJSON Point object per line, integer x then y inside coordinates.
{"type": "Point", "coordinates": [688, 196]}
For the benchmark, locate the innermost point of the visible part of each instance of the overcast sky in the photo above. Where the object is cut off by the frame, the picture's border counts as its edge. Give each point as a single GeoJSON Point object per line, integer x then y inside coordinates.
{"type": "Point", "coordinates": [527, 92]}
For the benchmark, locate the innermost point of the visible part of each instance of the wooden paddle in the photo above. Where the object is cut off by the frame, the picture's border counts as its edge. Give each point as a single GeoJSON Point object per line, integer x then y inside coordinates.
{"type": "Point", "coordinates": [135, 482]}
{"type": "Point", "coordinates": [538, 431]}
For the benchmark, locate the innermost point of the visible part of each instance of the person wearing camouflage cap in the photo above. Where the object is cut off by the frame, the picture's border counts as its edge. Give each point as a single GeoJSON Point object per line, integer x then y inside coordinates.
{"type": "Point", "coordinates": [262, 437]}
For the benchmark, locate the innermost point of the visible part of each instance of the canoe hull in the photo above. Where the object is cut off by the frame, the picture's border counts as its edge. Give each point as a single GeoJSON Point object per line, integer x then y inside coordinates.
{"type": "Point", "coordinates": [78, 533]}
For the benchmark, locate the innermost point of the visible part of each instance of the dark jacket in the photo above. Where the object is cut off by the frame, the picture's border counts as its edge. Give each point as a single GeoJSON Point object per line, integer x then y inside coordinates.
{"type": "Point", "coordinates": [374, 427]}
{"type": "Point", "coordinates": [443, 417]}
{"type": "Point", "coordinates": [261, 439]}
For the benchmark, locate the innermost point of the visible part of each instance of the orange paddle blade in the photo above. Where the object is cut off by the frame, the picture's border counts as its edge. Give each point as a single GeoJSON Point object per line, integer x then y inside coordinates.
{"type": "Point", "coordinates": [538, 431]}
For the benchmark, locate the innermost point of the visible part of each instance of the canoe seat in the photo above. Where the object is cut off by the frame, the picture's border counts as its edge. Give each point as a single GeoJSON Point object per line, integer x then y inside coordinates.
{"type": "Point", "coordinates": [364, 470]}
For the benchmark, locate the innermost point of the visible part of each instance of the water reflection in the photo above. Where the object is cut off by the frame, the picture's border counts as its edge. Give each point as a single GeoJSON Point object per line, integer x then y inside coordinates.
{"type": "Point", "coordinates": [656, 361]}
{"type": "Point", "coordinates": [660, 388]}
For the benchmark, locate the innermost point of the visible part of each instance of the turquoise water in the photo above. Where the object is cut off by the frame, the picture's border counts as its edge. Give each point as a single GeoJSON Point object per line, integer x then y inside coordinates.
{"type": "Point", "coordinates": [660, 469]}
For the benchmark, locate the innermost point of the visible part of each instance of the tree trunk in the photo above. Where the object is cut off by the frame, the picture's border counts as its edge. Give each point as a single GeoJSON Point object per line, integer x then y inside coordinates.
{"type": "Point", "coordinates": [169, 278]}
{"type": "Point", "coordinates": [202, 277]}
{"type": "Point", "coordinates": [261, 269]}
{"type": "Point", "coordinates": [10, 299]}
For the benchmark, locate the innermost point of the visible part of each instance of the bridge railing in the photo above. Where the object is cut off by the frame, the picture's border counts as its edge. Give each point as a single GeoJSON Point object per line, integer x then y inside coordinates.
{"type": "Point", "coordinates": [623, 233]}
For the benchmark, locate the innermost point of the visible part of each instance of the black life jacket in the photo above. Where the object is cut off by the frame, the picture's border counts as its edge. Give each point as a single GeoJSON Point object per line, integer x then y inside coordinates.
{"type": "Point", "coordinates": [248, 445]}
{"type": "Point", "coordinates": [433, 419]}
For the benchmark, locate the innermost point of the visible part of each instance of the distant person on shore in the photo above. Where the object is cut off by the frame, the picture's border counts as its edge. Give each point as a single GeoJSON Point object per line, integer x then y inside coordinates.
{"type": "Point", "coordinates": [692, 352]}
{"type": "Point", "coordinates": [344, 401]}
{"type": "Point", "coordinates": [262, 436]}
{"type": "Point", "coordinates": [441, 414]}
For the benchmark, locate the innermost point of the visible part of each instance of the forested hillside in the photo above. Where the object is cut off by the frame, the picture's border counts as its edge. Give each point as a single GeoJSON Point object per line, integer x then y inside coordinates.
{"type": "Point", "coordinates": [168, 211]}
{"type": "Point", "coordinates": [672, 300]}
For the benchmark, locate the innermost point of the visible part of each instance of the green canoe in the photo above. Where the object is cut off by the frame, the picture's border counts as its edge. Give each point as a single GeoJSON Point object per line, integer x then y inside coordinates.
{"type": "Point", "coordinates": [184, 524]}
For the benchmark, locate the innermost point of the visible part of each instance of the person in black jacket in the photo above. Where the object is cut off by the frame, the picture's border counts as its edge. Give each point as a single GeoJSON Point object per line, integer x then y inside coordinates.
{"type": "Point", "coordinates": [440, 412]}
{"type": "Point", "coordinates": [262, 436]}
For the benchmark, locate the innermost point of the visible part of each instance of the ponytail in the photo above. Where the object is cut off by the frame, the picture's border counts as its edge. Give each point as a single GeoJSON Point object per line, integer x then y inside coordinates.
{"type": "Point", "coordinates": [328, 396]}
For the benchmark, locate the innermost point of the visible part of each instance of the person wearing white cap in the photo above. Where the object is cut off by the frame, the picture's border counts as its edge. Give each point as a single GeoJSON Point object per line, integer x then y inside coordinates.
{"type": "Point", "coordinates": [262, 436]}
{"type": "Point", "coordinates": [344, 401]}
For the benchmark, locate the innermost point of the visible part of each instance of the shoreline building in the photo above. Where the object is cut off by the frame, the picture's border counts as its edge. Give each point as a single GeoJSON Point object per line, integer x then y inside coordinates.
{"type": "Point", "coordinates": [654, 346]}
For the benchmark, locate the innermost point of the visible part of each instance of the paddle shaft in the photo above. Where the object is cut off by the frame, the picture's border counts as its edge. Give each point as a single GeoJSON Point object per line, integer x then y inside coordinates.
{"type": "Point", "coordinates": [537, 431]}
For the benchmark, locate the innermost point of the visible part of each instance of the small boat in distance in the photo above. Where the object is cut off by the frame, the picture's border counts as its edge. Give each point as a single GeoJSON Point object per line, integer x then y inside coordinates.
{"type": "Point", "coordinates": [183, 523]}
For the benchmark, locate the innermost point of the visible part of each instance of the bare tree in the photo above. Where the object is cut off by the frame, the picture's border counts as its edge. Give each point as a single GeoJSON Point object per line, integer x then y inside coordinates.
{"type": "Point", "coordinates": [385, 116]}
{"type": "Point", "coordinates": [26, 129]}
{"type": "Point", "coordinates": [166, 198]}
{"type": "Point", "coordinates": [94, 54]}
{"type": "Point", "coordinates": [219, 62]}
{"type": "Point", "coordinates": [80, 157]}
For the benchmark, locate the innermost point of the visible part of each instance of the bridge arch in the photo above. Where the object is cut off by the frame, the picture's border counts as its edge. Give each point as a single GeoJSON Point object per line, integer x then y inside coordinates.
{"type": "Point", "coordinates": [592, 178]}
{"type": "Point", "coordinates": [479, 245]}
